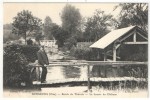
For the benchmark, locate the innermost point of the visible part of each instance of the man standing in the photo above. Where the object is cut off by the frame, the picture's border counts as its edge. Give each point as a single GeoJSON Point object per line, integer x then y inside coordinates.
{"type": "Point", "coordinates": [43, 60]}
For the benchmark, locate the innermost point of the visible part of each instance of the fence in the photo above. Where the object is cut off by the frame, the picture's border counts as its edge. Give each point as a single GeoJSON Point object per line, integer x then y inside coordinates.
{"type": "Point", "coordinates": [90, 64]}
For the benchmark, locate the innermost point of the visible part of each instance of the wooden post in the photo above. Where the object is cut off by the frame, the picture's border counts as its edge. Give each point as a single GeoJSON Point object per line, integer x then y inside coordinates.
{"type": "Point", "coordinates": [32, 69]}
{"type": "Point", "coordinates": [98, 56]}
{"type": "Point", "coordinates": [134, 37]}
{"type": "Point", "coordinates": [105, 56]}
{"type": "Point", "coordinates": [88, 70]}
{"type": "Point", "coordinates": [114, 52]}
{"type": "Point", "coordinates": [39, 73]}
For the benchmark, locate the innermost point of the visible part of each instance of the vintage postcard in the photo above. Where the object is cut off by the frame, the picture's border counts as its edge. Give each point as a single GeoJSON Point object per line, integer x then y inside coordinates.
{"type": "Point", "coordinates": [95, 50]}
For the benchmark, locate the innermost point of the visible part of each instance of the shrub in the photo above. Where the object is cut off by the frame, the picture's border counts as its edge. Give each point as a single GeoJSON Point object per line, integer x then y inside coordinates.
{"type": "Point", "coordinates": [85, 54]}
{"type": "Point", "coordinates": [30, 52]}
{"type": "Point", "coordinates": [16, 59]}
{"type": "Point", "coordinates": [14, 66]}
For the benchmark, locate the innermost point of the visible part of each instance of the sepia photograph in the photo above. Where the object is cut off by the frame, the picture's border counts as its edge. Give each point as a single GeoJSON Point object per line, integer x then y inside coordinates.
{"type": "Point", "coordinates": [53, 50]}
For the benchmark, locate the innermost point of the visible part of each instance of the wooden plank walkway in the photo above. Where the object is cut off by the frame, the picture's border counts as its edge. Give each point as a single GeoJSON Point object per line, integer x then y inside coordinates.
{"type": "Point", "coordinates": [88, 79]}
{"type": "Point", "coordinates": [94, 79]}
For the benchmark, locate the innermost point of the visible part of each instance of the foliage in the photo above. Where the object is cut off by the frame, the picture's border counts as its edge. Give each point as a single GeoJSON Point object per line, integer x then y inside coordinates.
{"type": "Point", "coordinates": [25, 22]}
{"type": "Point", "coordinates": [38, 37]}
{"type": "Point", "coordinates": [7, 33]}
{"type": "Point", "coordinates": [134, 52]}
{"type": "Point", "coordinates": [97, 26]}
{"type": "Point", "coordinates": [59, 34]}
{"type": "Point", "coordinates": [8, 36]}
{"type": "Point", "coordinates": [73, 40]}
{"type": "Point", "coordinates": [135, 71]}
{"type": "Point", "coordinates": [70, 42]}
{"type": "Point", "coordinates": [16, 58]}
{"type": "Point", "coordinates": [133, 14]}
{"type": "Point", "coordinates": [47, 27]}
{"type": "Point", "coordinates": [30, 52]}
{"type": "Point", "coordinates": [85, 54]}
{"type": "Point", "coordinates": [15, 70]}
{"type": "Point", "coordinates": [71, 24]}
{"type": "Point", "coordinates": [71, 19]}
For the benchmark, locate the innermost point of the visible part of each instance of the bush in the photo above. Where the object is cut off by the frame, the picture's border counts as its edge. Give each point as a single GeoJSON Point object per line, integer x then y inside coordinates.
{"type": "Point", "coordinates": [8, 36]}
{"type": "Point", "coordinates": [70, 42]}
{"type": "Point", "coordinates": [85, 54]}
{"type": "Point", "coordinates": [14, 67]}
{"type": "Point", "coordinates": [30, 52]}
{"type": "Point", "coordinates": [16, 59]}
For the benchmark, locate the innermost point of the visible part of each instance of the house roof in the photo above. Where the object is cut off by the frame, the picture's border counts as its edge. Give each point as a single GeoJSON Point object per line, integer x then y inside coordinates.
{"type": "Point", "coordinates": [111, 37]}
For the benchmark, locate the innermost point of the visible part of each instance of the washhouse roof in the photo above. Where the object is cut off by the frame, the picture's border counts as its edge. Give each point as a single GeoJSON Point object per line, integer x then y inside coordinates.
{"type": "Point", "coordinates": [111, 37]}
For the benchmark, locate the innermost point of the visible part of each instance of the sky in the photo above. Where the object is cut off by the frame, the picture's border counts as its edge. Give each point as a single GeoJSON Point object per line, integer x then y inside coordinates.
{"type": "Point", "coordinates": [53, 10]}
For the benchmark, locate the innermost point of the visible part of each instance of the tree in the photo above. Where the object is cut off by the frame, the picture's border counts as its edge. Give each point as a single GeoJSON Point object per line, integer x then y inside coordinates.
{"type": "Point", "coordinates": [59, 34]}
{"type": "Point", "coordinates": [71, 24]}
{"type": "Point", "coordinates": [7, 33]}
{"type": "Point", "coordinates": [47, 27]}
{"type": "Point", "coordinates": [24, 23]}
{"type": "Point", "coordinates": [97, 26]}
{"type": "Point", "coordinates": [71, 19]}
{"type": "Point", "coordinates": [38, 37]}
{"type": "Point", "coordinates": [133, 14]}
{"type": "Point", "coordinates": [70, 42]}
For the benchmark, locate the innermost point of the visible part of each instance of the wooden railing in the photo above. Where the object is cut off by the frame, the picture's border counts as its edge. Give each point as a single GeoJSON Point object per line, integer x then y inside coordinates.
{"type": "Point", "coordinates": [92, 63]}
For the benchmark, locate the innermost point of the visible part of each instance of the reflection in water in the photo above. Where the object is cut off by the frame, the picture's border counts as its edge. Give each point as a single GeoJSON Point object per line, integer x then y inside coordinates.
{"type": "Point", "coordinates": [55, 73]}
{"type": "Point", "coordinates": [83, 72]}
{"type": "Point", "coordinates": [63, 72]}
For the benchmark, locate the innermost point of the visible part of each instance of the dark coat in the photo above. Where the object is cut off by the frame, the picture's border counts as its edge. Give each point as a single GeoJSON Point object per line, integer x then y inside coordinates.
{"type": "Point", "coordinates": [42, 57]}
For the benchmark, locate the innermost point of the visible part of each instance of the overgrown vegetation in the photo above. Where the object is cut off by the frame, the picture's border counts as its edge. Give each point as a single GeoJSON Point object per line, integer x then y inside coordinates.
{"type": "Point", "coordinates": [16, 59]}
{"type": "Point", "coordinates": [8, 36]}
{"type": "Point", "coordinates": [86, 54]}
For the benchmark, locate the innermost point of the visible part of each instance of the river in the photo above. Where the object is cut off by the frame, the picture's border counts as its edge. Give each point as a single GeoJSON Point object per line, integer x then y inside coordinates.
{"type": "Point", "coordinates": [63, 72]}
